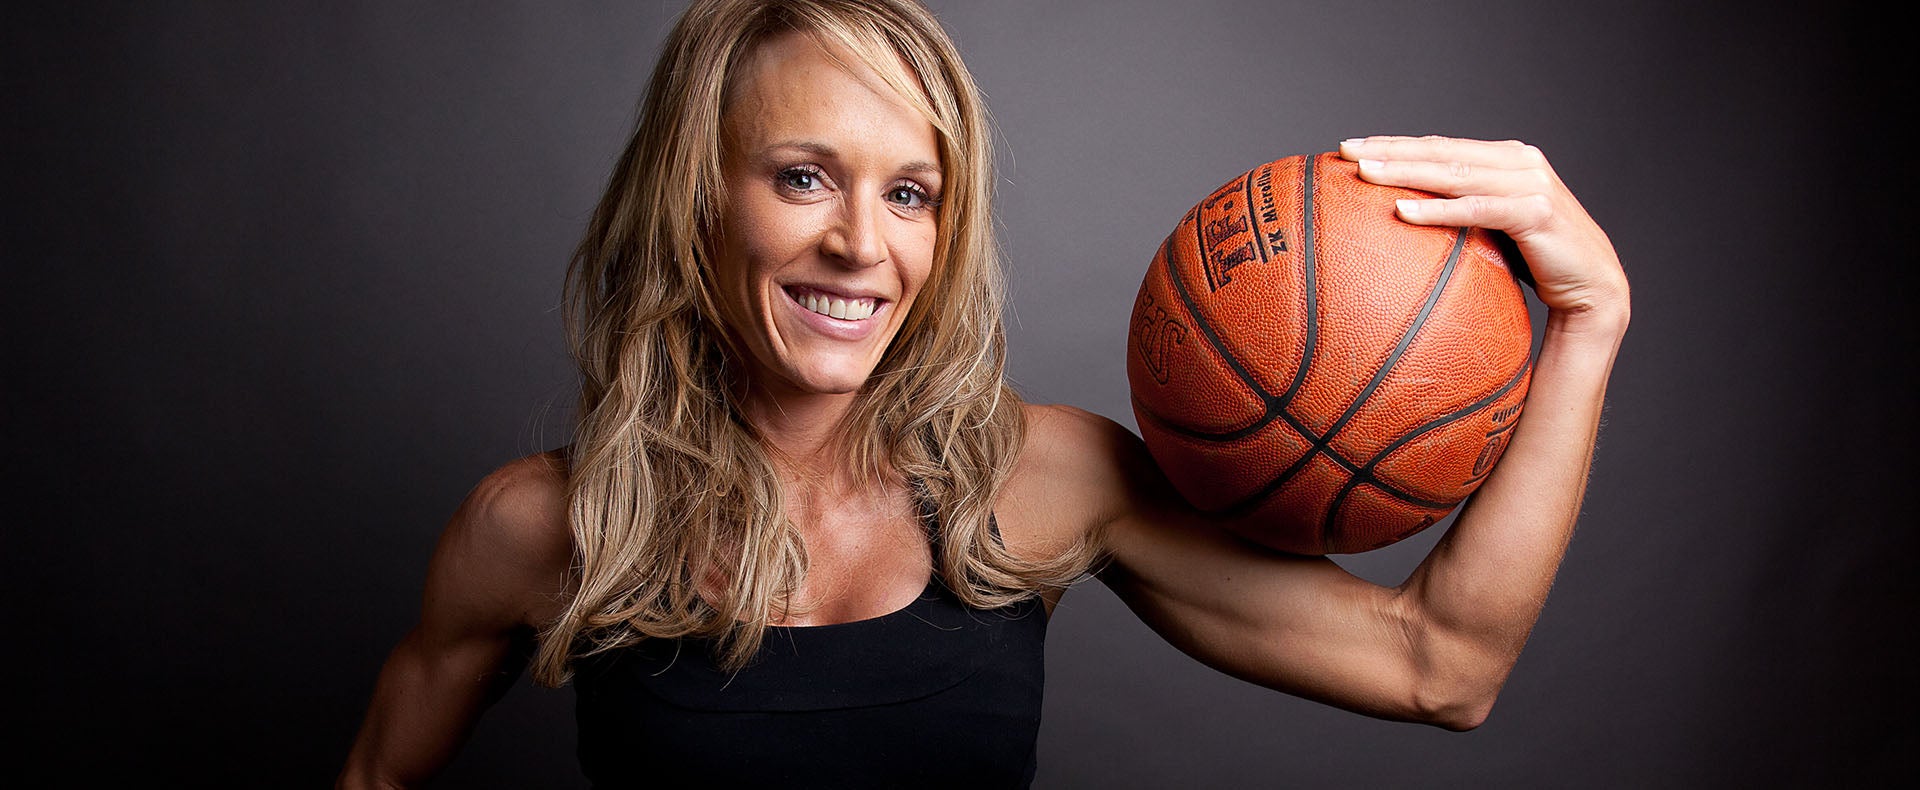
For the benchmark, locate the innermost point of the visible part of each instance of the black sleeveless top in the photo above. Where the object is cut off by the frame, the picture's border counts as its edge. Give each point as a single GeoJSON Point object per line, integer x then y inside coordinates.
{"type": "Point", "coordinates": [935, 694]}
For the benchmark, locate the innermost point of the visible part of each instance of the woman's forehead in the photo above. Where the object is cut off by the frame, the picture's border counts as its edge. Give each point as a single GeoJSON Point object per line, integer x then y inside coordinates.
{"type": "Point", "coordinates": [793, 88]}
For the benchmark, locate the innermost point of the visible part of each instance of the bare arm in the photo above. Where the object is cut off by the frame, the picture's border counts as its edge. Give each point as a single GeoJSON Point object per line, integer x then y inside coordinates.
{"type": "Point", "coordinates": [498, 571]}
{"type": "Point", "coordinates": [1470, 606]}
{"type": "Point", "coordinates": [1437, 648]}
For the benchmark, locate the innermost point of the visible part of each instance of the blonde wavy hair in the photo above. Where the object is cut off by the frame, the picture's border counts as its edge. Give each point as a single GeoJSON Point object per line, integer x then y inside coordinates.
{"type": "Point", "coordinates": [670, 487]}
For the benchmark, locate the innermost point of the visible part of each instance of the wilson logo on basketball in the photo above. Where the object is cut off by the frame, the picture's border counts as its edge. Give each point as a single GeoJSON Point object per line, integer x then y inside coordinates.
{"type": "Point", "coordinates": [1154, 332]}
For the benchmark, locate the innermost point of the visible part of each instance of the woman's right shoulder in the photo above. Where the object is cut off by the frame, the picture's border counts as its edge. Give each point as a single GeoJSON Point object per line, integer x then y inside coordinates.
{"type": "Point", "coordinates": [510, 543]}
{"type": "Point", "coordinates": [527, 494]}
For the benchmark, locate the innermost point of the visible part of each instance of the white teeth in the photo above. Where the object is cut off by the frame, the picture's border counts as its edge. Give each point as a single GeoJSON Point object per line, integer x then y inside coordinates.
{"type": "Point", "coordinates": [843, 309]}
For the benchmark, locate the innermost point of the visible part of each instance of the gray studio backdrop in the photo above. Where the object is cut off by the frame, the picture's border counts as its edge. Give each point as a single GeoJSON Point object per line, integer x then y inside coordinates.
{"type": "Point", "coordinates": [283, 286]}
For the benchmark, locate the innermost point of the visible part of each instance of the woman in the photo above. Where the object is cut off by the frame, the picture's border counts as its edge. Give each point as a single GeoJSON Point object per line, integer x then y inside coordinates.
{"type": "Point", "coordinates": [806, 532]}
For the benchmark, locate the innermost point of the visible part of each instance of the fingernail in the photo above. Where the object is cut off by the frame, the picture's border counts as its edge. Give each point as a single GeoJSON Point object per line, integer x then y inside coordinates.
{"type": "Point", "coordinates": [1408, 208]}
{"type": "Point", "coordinates": [1370, 165]}
{"type": "Point", "coordinates": [1353, 141]}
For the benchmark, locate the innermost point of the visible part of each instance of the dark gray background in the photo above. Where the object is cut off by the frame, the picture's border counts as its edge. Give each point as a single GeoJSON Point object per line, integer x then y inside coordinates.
{"type": "Point", "coordinates": [281, 285]}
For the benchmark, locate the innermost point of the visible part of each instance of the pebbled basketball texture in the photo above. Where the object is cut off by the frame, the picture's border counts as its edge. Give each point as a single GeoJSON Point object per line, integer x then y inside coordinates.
{"type": "Point", "coordinates": [1328, 377]}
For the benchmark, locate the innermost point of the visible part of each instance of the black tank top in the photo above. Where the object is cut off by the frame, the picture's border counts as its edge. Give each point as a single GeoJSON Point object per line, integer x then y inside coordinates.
{"type": "Point", "coordinates": [935, 694]}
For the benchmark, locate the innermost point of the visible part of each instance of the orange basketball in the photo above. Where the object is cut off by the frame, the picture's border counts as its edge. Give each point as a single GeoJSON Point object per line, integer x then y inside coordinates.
{"type": "Point", "coordinates": [1329, 377]}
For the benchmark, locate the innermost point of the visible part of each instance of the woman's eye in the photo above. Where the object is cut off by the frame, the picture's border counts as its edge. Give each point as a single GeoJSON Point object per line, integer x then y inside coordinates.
{"type": "Point", "coordinates": [907, 197]}
{"type": "Point", "coordinates": [798, 179]}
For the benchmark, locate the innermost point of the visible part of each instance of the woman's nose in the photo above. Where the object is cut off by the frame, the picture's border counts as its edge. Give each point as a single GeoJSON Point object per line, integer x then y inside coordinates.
{"type": "Point", "coordinates": [857, 238]}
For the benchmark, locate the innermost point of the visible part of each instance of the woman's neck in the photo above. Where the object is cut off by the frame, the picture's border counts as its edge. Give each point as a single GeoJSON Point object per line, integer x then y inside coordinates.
{"type": "Point", "coordinates": [806, 432]}
{"type": "Point", "coordinates": [805, 429]}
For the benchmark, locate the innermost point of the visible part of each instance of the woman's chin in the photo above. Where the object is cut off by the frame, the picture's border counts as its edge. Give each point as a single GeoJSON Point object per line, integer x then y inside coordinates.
{"type": "Point", "coordinates": [845, 379]}
{"type": "Point", "coordinates": [838, 384]}
{"type": "Point", "coordinates": [831, 368]}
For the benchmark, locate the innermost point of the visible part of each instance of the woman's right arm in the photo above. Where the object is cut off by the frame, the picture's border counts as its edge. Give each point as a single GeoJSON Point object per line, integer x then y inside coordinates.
{"type": "Point", "coordinates": [497, 575]}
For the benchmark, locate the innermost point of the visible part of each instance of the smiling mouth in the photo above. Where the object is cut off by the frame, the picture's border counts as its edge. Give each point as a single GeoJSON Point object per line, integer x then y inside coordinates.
{"type": "Point", "coordinates": [844, 308]}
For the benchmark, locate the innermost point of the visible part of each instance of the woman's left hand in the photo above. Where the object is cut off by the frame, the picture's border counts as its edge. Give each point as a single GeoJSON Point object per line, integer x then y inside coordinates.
{"type": "Point", "coordinates": [1508, 187]}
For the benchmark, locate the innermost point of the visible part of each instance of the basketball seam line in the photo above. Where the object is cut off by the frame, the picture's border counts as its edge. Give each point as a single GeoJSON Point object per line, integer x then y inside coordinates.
{"type": "Point", "coordinates": [1206, 330]}
{"type": "Point", "coordinates": [1406, 339]}
{"type": "Point", "coordinates": [1365, 474]}
{"type": "Point", "coordinates": [1399, 350]}
{"type": "Point", "coordinates": [1275, 406]}
{"type": "Point", "coordinates": [1309, 262]}
{"type": "Point", "coordinates": [1321, 445]}
{"type": "Point", "coordinates": [1309, 285]}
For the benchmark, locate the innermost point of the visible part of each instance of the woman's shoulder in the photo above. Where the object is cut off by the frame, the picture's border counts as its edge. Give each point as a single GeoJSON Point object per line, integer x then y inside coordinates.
{"type": "Point", "coordinates": [1060, 421]}
{"type": "Point", "coordinates": [510, 541]}
{"type": "Point", "coordinates": [525, 490]}
{"type": "Point", "coordinates": [523, 504]}
{"type": "Point", "coordinates": [1073, 442]}
{"type": "Point", "coordinates": [1071, 473]}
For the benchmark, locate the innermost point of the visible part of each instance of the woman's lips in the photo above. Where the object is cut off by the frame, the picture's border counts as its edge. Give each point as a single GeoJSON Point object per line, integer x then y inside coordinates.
{"type": "Point", "coordinates": [836, 315]}
{"type": "Point", "coordinates": [849, 308]}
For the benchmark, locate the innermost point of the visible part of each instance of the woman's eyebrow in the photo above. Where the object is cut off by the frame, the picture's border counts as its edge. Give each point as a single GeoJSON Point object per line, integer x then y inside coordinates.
{"type": "Point", "coordinates": [920, 166]}
{"type": "Point", "coordinates": [818, 149]}
{"type": "Point", "coordinates": [824, 151]}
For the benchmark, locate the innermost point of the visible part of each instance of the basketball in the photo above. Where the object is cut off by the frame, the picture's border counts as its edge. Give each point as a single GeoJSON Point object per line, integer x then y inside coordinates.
{"type": "Point", "coordinates": [1327, 377]}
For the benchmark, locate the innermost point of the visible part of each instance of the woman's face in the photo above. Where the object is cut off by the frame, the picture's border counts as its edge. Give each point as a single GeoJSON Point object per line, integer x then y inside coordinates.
{"type": "Point", "coordinates": [832, 182]}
